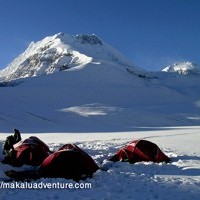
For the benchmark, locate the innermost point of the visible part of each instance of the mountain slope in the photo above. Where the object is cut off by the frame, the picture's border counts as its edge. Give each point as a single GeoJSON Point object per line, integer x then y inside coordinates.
{"type": "Point", "coordinates": [97, 90]}
{"type": "Point", "coordinates": [61, 52]}
{"type": "Point", "coordinates": [96, 98]}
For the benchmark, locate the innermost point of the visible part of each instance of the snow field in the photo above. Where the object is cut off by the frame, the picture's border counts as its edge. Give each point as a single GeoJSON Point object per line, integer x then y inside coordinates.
{"type": "Point", "coordinates": [180, 179]}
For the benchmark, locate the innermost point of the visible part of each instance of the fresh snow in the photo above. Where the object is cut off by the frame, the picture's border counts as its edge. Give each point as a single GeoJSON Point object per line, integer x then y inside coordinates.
{"type": "Point", "coordinates": [180, 179]}
{"type": "Point", "coordinates": [99, 97]}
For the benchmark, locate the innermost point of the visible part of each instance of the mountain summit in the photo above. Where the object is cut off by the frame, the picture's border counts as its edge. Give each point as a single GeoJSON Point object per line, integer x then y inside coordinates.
{"type": "Point", "coordinates": [185, 68]}
{"type": "Point", "coordinates": [60, 52]}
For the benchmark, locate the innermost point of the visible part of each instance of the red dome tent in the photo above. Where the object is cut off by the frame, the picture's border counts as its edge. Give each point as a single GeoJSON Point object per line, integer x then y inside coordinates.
{"type": "Point", "coordinates": [31, 151]}
{"type": "Point", "coordinates": [140, 150]}
{"type": "Point", "coordinates": [69, 162]}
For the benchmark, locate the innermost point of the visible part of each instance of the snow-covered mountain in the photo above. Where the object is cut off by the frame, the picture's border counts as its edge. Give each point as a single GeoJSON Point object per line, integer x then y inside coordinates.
{"type": "Point", "coordinates": [101, 101]}
{"type": "Point", "coordinates": [98, 89]}
{"type": "Point", "coordinates": [185, 68]}
{"type": "Point", "coordinates": [61, 52]}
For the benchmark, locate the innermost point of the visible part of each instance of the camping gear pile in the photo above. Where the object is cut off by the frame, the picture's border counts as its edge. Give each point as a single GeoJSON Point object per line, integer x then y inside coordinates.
{"type": "Point", "coordinates": [69, 161]}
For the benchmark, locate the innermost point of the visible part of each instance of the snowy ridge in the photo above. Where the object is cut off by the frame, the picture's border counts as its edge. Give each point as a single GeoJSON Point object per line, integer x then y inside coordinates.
{"type": "Point", "coordinates": [185, 68]}
{"type": "Point", "coordinates": [61, 52]}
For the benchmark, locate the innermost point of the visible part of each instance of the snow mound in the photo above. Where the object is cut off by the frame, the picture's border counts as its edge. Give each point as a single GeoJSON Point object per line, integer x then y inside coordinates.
{"type": "Point", "coordinates": [60, 52]}
{"type": "Point", "coordinates": [185, 68]}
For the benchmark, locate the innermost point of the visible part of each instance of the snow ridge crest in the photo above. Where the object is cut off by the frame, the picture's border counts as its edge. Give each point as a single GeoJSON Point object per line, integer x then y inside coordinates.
{"type": "Point", "coordinates": [61, 52]}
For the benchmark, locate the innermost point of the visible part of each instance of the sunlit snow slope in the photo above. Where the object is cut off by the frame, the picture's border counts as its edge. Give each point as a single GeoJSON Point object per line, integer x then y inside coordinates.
{"type": "Point", "coordinates": [61, 52]}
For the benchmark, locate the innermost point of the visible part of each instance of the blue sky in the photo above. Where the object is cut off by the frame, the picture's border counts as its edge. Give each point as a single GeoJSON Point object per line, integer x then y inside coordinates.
{"type": "Point", "coordinates": [151, 33]}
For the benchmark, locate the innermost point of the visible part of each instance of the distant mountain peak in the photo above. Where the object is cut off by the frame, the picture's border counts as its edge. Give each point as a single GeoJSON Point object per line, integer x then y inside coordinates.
{"type": "Point", "coordinates": [185, 68]}
{"type": "Point", "coordinates": [60, 52]}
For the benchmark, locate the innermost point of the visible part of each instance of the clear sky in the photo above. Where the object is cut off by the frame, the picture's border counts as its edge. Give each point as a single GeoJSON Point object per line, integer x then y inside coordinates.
{"type": "Point", "coordinates": [151, 33]}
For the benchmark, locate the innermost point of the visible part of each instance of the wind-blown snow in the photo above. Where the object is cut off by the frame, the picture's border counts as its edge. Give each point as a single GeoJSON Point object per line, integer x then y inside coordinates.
{"type": "Point", "coordinates": [91, 109]}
